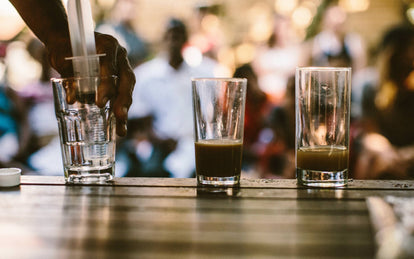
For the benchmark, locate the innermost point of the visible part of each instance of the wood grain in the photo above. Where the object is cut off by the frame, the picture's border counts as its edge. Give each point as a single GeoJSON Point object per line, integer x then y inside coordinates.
{"type": "Point", "coordinates": [172, 218]}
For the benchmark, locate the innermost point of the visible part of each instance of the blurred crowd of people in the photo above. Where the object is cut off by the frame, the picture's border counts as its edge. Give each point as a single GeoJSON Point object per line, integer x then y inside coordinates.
{"type": "Point", "coordinates": [159, 142]}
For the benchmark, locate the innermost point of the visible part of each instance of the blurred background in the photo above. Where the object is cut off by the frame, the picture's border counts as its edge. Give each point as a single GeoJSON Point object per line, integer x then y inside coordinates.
{"type": "Point", "coordinates": [263, 40]}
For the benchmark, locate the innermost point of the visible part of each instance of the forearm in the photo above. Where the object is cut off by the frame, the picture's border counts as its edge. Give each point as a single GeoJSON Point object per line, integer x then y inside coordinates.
{"type": "Point", "coordinates": [46, 18]}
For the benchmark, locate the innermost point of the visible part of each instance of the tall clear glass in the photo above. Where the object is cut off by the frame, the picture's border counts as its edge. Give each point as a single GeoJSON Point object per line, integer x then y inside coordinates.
{"type": "Point", "coordinates": [322, 125]}
{"type": "Point", "coordinates": [87, 132]}
{"type": "Point", "coordinates": [218, 105]}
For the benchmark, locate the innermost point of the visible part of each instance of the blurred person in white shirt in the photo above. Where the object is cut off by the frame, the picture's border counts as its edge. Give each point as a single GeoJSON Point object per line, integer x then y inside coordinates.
{"type": "Point", "coordinates": [163, 90]}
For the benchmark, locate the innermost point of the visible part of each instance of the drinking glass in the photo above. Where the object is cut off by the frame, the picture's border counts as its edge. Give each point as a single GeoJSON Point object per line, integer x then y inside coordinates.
{"type": "Point", "coordinates": [87, 132]}
{"type": "Point", "coordinates": [218, 105]}
{"type": "Point", "coordinates": [322, 125]}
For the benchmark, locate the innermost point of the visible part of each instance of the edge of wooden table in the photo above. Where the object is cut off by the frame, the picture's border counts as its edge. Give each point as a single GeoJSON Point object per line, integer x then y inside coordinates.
{"type": "Point", "coordinates": [244, 183]}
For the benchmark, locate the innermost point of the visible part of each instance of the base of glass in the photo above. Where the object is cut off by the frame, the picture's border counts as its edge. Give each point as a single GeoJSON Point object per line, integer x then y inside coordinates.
{"type": "Point", "coordinates": [90, 177]}
{"type": "Point", "coordinates": [218, 181]}
{"type": "Point", "coordinates": [314, 178]}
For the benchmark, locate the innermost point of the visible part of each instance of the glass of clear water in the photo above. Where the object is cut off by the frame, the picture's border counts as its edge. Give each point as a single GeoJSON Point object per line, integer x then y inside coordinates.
{"type": "Point", "coordinates": [87, 132]}
{"type": "Point", "coordinates": [322, 125]}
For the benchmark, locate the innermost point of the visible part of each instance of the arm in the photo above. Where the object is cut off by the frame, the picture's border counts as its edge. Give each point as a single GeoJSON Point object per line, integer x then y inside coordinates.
{"type": "Point", "coordinates": [48, 21]}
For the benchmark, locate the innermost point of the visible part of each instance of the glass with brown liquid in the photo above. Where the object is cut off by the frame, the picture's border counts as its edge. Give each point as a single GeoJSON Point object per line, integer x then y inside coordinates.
{"type": "Point", "coordinates": [326, 165]}
{"type": "Point", "coordinates": [218, 129]}
{"type": "Point", "coordinates": [322, 126]}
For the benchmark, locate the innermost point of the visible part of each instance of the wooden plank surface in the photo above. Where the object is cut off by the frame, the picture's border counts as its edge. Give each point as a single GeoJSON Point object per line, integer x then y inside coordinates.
{"type": "Point", "coordinates": [172, 218]}
{"type": "Point", "coordinates": [245, 183]}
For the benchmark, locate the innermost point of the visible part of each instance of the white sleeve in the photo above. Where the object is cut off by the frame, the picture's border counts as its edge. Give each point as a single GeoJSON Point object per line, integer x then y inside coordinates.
{"type": "Point", "coordinates": [140, 106]}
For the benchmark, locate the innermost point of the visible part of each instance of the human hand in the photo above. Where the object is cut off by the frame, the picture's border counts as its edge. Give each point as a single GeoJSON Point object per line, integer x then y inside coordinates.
{"type": "Point", "coordinates": [114, 62]}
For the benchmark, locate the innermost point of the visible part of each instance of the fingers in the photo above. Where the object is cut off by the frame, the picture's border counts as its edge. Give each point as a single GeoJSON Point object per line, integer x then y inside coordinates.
{"type": "Point", "coordinates": [107, 90]}
{"type": "Point", "coordinates": [107, 45]}
{"type": "Point", "coordinates": [124, 98]}
{"type": "Point", "coordinates": [71, 89]}
{"type": "Point", "coordinates": [115, 62]}
{"type": "Point", "coordinates": [57, 54]}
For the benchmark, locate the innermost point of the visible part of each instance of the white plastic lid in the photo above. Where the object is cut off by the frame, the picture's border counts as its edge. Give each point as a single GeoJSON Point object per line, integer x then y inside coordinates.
{"type": "Point", "coordinates": [9, 177]}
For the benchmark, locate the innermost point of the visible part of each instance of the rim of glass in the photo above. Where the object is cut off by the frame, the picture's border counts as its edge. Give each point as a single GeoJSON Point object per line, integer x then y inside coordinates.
{"type": "Point", "coordinates": [324, 68]}
{"type": "Point", "coordinates": [232, 79]}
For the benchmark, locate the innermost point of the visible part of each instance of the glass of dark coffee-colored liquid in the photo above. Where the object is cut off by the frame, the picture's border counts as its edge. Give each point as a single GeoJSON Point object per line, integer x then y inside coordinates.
{"type": "Point", "coordinates": [322, 125]}
{"type": "Point", "coordinates": [218, 105]}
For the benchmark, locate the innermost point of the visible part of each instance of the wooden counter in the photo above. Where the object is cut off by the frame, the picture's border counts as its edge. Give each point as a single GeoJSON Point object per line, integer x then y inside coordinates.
{"type": "Point", "coordinates": [172, 218]}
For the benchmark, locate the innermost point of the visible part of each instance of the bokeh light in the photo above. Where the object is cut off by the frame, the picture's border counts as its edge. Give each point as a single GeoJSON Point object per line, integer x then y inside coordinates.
{"type": "Point", "coordinates": [193, 56]}
{"type": "Point", "coordinates": [410, 14]}
{"type": "Point", "coordinates": [210, 23]}
{"type": "Point", "coordinates": [302, 17]}
{"type": "Point", "coordinates": [354, 5]}
{"type": "Point", "coordinates": [285, 7]}
{"type": "Point", "coordinates": [11, 23]}
{"type": "Point", "coordinates": [260, 23]}
{"type": "Point", "coordinates": [245, 53]}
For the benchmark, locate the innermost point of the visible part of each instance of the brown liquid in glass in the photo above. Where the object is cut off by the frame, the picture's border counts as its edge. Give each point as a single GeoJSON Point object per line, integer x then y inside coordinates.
{"type": "Point", "coordinates": [218, 158]}
{"type": "Point", "coordinates": [322, 158]}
